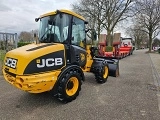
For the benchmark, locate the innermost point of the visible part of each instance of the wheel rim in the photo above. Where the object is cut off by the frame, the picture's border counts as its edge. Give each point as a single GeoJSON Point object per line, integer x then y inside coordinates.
{"type": "Point", "coordinates": [72, 86]}
{"type": "Point", "coordinates": [105, 72]}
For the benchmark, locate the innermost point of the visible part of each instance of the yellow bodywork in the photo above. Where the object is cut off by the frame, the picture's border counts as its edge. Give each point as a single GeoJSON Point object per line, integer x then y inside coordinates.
{"type": "Point", "coordinates": [89, 58]}
{"type": "Point", "coordinates": [65, 11]}
{"type": "Point", "coordinates": [37, 82]}
{"type": "Point", "coordinates": [33, 83]}
{"type": "Point", "coordinates": [24, 57]}
{"type": "Point", "coordinates": [40, 81]}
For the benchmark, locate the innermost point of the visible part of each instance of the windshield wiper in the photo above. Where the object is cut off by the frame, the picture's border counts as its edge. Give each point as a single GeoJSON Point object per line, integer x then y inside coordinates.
{"type": "Point", "coordinates": [45, 33]}
{"type": "Point", "coordinates": [49, 30]}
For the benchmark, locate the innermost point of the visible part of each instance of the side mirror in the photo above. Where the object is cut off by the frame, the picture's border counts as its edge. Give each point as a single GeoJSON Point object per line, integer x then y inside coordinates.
{"type": "Point", "coordinates": [36, 19]}
{"type": "Point", "coordinates": [85, 22]}
{"type": "Point", "coordinates": [93, 34]}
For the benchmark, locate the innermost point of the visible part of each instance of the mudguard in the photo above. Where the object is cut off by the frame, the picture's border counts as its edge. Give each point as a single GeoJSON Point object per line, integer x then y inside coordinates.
{"type": "Point", "coordinates": [113, 65]}
{"type": "Point", "coordinates": [64, 71]}
{"type": "Point", "coordinates": [97, 65]}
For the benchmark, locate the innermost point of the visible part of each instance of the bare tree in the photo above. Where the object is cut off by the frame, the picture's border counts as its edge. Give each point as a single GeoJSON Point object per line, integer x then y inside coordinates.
{"type": "Point", "coordinates": [26, 36]}
{"type": "Point", "coordinates": [92, 11]}
{"type": "Point", "coordinates": [104, 13]}
{"type": "Point", "coordinates": [137, 33]}
{"type": "Point", "coordinates": [148, 16]}
{"type": "Point", "coordinates": [114, 12]}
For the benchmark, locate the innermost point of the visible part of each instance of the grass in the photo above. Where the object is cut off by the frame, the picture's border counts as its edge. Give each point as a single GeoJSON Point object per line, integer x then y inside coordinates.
{"type": "Point", "coordinates": [2, 55]}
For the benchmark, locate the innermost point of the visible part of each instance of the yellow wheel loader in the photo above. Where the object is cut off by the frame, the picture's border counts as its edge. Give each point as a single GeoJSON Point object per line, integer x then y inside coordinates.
{"type": "Point", "coordinates": [58, 60]}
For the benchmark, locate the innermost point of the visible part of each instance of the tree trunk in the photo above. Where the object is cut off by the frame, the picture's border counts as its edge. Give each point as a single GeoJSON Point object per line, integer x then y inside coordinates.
{"type": "Point", "coordinates": [99, 30]}
{"type": "Point", "coordinates": [109, 38]}
{"type": "Point", "coordinates": [150, 42]}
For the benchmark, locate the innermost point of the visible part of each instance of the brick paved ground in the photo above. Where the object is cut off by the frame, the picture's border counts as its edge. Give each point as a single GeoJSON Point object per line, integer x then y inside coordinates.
{"type": "Point", "coordinates": [134, 95]}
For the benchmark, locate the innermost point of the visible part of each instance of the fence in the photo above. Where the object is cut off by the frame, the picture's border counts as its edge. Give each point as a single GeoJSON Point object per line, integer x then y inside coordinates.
{"type": "Point", "coordinates": [8, 41]}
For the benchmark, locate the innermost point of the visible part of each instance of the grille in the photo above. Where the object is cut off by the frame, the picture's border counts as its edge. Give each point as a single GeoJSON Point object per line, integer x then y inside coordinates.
{"type": "Point", "coordinates": [9, 73]}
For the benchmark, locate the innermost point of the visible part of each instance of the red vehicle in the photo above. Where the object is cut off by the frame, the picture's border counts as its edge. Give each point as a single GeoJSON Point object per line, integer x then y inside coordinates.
{"type": "Point", "coordinates": [127, 46]}
{"type": "Point", "coordinates": [121, 48]}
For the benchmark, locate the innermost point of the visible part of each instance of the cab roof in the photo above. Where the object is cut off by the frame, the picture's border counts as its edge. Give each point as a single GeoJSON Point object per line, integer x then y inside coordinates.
{"type": "Point", "coordinates": [63, 11]}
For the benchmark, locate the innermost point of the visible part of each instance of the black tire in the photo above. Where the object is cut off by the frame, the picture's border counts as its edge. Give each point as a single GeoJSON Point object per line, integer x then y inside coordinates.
{"type": "Point", "coordinates": [69, 86]}
{"type": "Point", "coordinates": [101, 76]}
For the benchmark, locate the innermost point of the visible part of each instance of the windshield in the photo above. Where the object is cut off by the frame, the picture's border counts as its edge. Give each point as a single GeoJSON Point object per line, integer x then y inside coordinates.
{"type": "Point", "coordinates": [54, 28]}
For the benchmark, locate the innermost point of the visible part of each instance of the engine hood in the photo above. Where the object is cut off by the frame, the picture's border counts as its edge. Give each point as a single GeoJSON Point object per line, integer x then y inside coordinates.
{"type": "Point", "coordinates": [34, 58]}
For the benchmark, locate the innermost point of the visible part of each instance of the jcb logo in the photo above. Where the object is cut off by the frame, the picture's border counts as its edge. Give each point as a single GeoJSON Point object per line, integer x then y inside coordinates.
{"type": "Point", "coordinates": [49, 62]}
{"type": "Point", "coordinates": [82, 56]}
{"type": "Point", "coordinates": [10, 62]}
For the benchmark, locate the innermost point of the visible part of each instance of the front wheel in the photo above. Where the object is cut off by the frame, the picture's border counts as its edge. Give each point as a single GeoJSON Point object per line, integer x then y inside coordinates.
{"type": "Point", "coordinates": [102, 76]}
{"type": "Point", "coordinates": [69, 86]}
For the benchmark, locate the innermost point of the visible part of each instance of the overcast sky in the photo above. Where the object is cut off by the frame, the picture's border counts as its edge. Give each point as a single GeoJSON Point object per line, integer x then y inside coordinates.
{"type": "Point", "coordinates": [19, 15]}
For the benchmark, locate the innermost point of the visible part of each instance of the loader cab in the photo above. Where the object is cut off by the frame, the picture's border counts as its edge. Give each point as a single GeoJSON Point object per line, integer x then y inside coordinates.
{"type": "Point", "coordinates": [68, 28]}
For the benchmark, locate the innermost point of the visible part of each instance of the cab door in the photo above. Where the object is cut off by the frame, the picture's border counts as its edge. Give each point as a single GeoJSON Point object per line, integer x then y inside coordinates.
{"type": "Point", "coordinates": [78, 42]}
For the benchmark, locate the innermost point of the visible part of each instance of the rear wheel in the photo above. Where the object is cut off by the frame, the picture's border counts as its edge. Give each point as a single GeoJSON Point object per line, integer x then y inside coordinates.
{"type": "Point", "coordinates": [69, 86]}
{"type": "Point", "coordinates": [102, 75]}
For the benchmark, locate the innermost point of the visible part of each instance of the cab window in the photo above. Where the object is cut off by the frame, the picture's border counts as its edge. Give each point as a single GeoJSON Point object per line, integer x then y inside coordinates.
{"type": "Point", "coordinates": [78, 32]}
